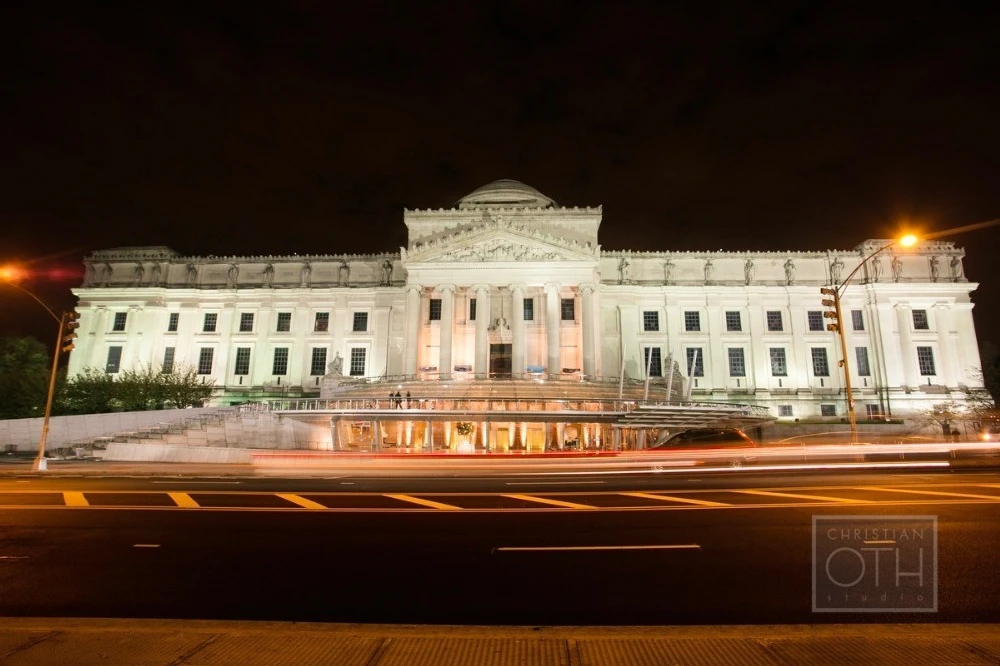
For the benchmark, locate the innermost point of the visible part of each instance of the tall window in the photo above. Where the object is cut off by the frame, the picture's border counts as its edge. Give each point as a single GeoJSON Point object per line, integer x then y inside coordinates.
{"type": "Point", "coordinates": [205, 357]}
{"type": "Point", "coordinates": [652, 359]}
{"type": "Point", "coordinates": [737, 363]}
{"type": "Point", "coordinates": [172, 322]}
{"type": "Point", "coordinates": [280, 364]}
{"type": "Point", "coordinates": [779, 363]}
{"type": "Point", "coordinates": [695, 359]}
{"type": "Point", "coordinates": [211, 320]}
{"type": "Point", "coordinates": [920, 322]}
{"type": "Point", "coordinates": [821, 367]}
{"type": "Point", "coordinates": [692, 320]}
{"type": "Point", "coordinates": [242, 366]}
{"type": "Point", "coordinates": [119, 324]}
{"type": "Point", "coordinates": [785, 410]}
{"type": "Point", "coordinates": [472, 309]}
{"type": "Point", "coordinates": [168, 361]}
{"type": "Point", "coordinates": [435, 309]}
{"type": "Point", "coordinates": [861, 355]}
{"type": "Point", "coordinates": [857, 320]}
{"type": "Point", "coordinates": [284, 322]}
{"type": "Point", "coordinates": [322, 322]}
{"type": "Point", "coordinates": [568, 309]}
{"type": "Point", "coordinates": [815, 320]}
{"type": "Point", "coordinates": [774, 321]}
{"type": "Point", "coordinates": [873, 411]}
{"type": "Point", "coordinates": [925, 358]}
{"type": "Point", "coordinates": [650, 320]}
{"type": "Point", "coordinates": [733, 322]}
{"type": "Point", "coordinates": [360, 322]}
{"type": "Point", "coordinates": [246, 322]}
{"type": "Point", "coordinates": [529, 309]}
{"type": "Point", "coordinates": [358, 361]}
{"type": "Point", "coordinates": [828, 410]}
{"type": "Point", "coordinates": [318, 364]}
{"type": "Point", "coordinates": [114, 360]}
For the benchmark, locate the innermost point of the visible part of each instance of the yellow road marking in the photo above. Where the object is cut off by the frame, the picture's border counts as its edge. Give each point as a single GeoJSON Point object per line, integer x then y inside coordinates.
{"type": "Point", "coordinates": [769, 493]}
{"type": "Point", "coordinates": [183, 500]}
{"type": "Point", "coordinates": [995, 498]}
{"type": "Point", "coordinates": [425, 502]}
{"type": "Point", "coordinates": [301, 501]}
{"type": "Point", "coordinates": [671, 498]}
{"type": "Point", "coordinates": [75, 499]}
{"type": "Point", "coordinates": [552, 502]}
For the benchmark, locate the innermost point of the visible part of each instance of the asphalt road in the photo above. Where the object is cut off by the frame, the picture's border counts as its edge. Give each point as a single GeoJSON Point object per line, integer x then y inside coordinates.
{"type": "Point", "coordinates": [708, 549]}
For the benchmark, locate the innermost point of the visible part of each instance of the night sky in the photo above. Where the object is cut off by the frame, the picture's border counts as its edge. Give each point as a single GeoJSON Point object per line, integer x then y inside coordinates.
{"type": "Point", "coordinates": [307, 127]}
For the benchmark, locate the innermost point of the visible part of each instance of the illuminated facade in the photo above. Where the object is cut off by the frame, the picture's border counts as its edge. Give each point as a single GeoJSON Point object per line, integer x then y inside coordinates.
{"type": "Point", "coordinates": [509, 285]}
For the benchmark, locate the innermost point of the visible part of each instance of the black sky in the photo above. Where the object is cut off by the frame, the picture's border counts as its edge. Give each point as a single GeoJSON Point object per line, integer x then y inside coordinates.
{"type": "Point", "coordinates": [258, 128]}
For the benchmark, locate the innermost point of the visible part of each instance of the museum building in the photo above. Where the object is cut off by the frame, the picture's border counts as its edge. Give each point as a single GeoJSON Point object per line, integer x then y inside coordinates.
{"type": "Point", "coordinates": [508, 286]}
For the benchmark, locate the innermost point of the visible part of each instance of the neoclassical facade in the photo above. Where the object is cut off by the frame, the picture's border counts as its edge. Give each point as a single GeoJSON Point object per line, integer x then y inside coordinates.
{"type": "Point", "coordinates": [509, 285]}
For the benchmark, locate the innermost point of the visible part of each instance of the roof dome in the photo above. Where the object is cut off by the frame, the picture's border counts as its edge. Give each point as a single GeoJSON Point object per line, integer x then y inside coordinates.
{"type": "Point", "coordinates": [505, 193]}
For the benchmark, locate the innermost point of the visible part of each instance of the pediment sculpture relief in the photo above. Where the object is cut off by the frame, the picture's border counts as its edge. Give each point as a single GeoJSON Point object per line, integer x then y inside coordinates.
{"type": "Point", "coordinates": [501, 250]}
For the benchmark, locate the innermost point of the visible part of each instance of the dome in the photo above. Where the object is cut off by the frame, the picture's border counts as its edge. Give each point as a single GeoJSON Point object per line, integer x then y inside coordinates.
{"type": "Point", "coordinates": [505, 193]}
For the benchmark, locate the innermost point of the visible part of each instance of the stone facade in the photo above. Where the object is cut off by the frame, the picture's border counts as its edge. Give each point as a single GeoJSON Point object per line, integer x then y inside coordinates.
{"type": "Point", "coordinates": [526, 290]}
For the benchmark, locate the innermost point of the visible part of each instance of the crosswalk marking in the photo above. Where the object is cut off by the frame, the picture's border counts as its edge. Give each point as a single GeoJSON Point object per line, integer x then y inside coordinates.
{"type": "Point", "coordinates": [550, 501]}
{"type": "Point", "coordinates": [425, 502]}
{"type": "Point", "coordinates": [995, 498]}
{"type": "Point", "coordinates": [301, 501]}
{"type": "Point", "coordinates": [672, 498]}
{"type": "Point", "coordinates": [183, 500]}
{"type": "Point", "coordinates": [820, 498]}
{"type": "Point", "coordinates": [75, 499]}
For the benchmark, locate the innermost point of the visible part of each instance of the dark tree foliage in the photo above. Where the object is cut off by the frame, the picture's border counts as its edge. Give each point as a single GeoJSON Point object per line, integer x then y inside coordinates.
{"type": "Point", "coordinates": [93, 391]}
{"type": "Point", "coordinates": [24, 377]}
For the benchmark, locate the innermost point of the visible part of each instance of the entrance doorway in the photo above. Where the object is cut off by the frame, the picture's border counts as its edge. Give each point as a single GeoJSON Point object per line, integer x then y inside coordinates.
{"type": "Point", "coordinates": [500, 360]}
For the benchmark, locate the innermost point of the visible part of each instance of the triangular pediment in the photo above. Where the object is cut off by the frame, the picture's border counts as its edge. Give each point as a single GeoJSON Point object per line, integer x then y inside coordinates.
{"type": "Point", "coordinates": [492, 244]}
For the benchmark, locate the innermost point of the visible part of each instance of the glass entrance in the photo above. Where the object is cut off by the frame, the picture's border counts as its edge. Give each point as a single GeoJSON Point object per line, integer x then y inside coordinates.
{"type": "Point", "coordinates": [500, 363]}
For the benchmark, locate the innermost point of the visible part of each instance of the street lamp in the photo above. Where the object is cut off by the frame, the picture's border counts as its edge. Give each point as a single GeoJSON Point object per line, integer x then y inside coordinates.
{"type": "Point", "coordinates": [835, 293]}
{"type": "Point", "coordinates": [64, 343]}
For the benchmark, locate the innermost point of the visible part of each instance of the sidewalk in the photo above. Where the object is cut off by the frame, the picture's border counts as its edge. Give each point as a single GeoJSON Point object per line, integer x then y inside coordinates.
{"type": "Point", "coordinates": [82, 642]}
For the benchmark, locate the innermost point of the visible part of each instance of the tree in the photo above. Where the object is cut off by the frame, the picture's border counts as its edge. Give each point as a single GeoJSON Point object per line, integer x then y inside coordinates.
{"type": "Point", "coordinates": [24, 377]}
{"type": "Point", "coordinates": [94, 391]}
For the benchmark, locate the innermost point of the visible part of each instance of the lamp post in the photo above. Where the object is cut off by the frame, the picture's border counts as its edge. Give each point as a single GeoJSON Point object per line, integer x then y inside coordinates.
{"type": "Point", "coordinates": [64, 343]}
{"type": "Point", "coordinates": [835, 292]}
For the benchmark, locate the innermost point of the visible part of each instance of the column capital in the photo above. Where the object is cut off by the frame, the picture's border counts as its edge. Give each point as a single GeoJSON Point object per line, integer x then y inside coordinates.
{"type": "Point", "coordinates": [553, 286]}
{"type": "Point", "coordinates": [901, 306]}
{"type": "Point", "coordinates": [478, 288]}
{"type": "Point", "coordinates": [446, 288]}
{"type": "Point", "coordinates": [415, 287]}
{"type": "Point", "coordinates": [517, 286]}
{"type": "Point", "coordinates": [588, 286]}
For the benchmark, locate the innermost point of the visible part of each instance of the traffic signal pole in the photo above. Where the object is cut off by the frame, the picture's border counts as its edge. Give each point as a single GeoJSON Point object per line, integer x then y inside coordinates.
{"type": "Point", "coordinates": [847, 370]}
{"type": "Point", "coordinates": [64, 343]}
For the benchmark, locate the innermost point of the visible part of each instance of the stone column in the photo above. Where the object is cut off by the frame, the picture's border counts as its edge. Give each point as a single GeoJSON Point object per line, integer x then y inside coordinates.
{"type": "Point", "coordinates": [587, 296]}
{"type": "Point", "coordinates": [517, 329]}
{"type": "Point", "coordinates": [447, 327]}
{"type": "Point", "coordinates": [552, 318]}
{"type": "Point", "coordinates": [412, 333]}
{"type": "Point", "coordinates": [482, 327]}
{"type": "Point", "coordinates": [428, 436]}
{"type": "Point", "coordinates": [946, 361]}
{"type": "Point", "coordinates": [906, 354]}
{"type": "Point", "coordinates": [334, 434]}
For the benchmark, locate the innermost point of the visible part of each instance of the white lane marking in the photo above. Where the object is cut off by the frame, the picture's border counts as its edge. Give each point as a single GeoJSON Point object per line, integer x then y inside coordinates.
{"type": "Point", "coordinates": [14, 557]}
{"type": "Point", "coordinates": [24, 481]}
{"type": "Point", "coordinates": [145, 545]}
{"type": "Point", "coordinates": [553, 483]}
{"type": "Point", "coordinates": [347, 483]}
{"type": "Point", "coordinates": [881, 541]}
{"type": "Point", "coordinates": [673, 546]}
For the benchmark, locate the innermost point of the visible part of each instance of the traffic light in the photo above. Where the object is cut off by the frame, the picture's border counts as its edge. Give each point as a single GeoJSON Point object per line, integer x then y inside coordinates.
{"type": "Point", "coordinates": [832, 302]}
{"type": "Point", "coordinates": [69, 326]}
